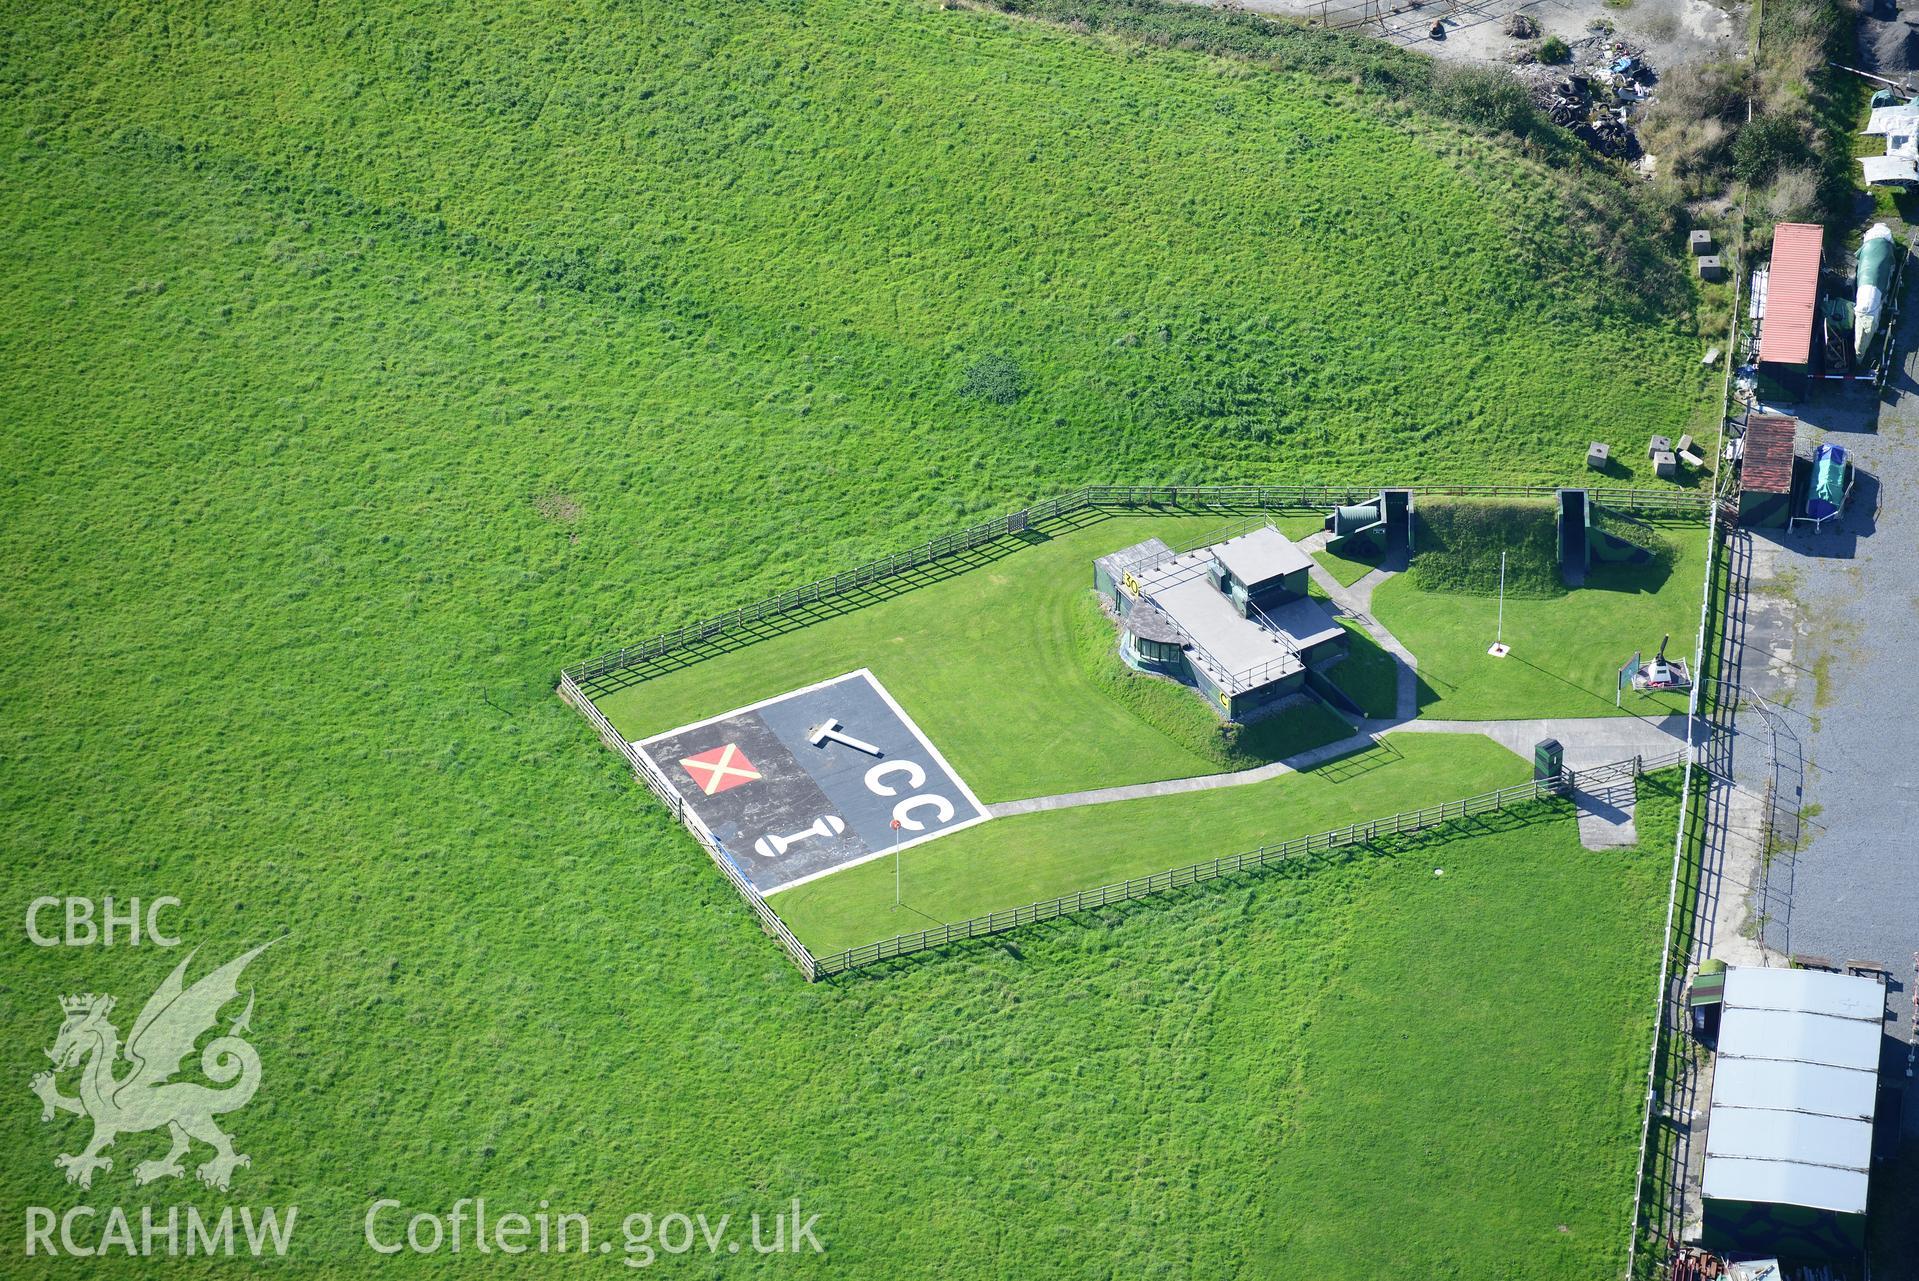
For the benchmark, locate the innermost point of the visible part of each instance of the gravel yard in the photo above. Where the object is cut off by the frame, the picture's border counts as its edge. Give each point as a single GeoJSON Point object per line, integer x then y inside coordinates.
{"type": "Point", "coordinates": [1845, 706]}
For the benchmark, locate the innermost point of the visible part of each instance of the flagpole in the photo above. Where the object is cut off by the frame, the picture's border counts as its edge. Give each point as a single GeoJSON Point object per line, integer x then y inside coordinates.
{"type": "Point", "coordinates": [896, 865]}
{"type": "Point", "coordinates": [1499, 631]}
{"type": "Point", "coordinates": [1498, 648]}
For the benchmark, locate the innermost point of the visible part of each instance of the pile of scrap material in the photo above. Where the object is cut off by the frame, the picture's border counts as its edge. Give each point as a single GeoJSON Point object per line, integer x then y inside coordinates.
{"type": "Point", "coordinates": [1898, 123]}
{"type": "Point", "coordinates": [1691, 1263]}
{"type": "Point", "coordinates": [1597, 97]}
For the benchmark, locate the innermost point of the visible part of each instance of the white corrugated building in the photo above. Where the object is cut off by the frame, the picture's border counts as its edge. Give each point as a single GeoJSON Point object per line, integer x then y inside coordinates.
{"type": "Point", "coordinates": [1789, 1134]}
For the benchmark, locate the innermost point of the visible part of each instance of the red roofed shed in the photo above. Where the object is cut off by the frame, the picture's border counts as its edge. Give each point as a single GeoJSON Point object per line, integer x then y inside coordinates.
{"type": "Point", "coordinates": [1792, 304]}
{"type": "Point", "coordinates": [1765, 470]}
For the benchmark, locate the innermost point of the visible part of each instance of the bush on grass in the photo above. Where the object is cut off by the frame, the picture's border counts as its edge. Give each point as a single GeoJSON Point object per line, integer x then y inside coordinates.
{"type": "Point", "coordinates": [1766, 146]}
{"type": "Point", "coordinates": [998, 379]}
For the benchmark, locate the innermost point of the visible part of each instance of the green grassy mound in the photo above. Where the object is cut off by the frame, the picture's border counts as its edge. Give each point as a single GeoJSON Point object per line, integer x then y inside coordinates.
{"type": "Point", "coordinates": [1622, 538]}
{"type": "Point", "coordinates": [1459, 545]}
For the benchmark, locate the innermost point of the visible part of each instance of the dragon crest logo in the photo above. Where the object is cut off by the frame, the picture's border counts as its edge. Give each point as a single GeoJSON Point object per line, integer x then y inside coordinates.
{"type": "Point", "coordinates": [147, 1097]}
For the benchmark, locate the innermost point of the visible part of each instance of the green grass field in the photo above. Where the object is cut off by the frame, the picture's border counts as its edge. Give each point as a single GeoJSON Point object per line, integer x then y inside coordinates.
{"type": "Point", "coordinates": [1010, 862]}
{"type": "Point", "coordinates": [1566, 650]}
{"type": "Point", "coordinates": [1008, 667]}
{"type": "Point", "coordinates": [1367, 674]}
{"type": "Point", "coordinates": [365, 364]}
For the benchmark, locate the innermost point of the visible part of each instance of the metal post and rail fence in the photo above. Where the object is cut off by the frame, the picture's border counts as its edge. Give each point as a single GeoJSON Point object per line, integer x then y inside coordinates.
{"type": "Point", "coordinates": [643, 770]}
{"type": "Point", "coordinates": [1671, 504]}
{"type": "Point", "coordinates": [1668, 994]}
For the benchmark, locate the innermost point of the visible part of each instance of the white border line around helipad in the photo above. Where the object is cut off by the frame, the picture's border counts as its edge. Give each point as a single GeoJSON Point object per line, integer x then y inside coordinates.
{"type": "Point", "coordinates": [981, 813]}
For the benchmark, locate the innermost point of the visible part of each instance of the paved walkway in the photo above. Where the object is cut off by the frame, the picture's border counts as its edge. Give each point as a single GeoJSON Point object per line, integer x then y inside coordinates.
{"type": "Point", "coordinates": [1357, 601]}
{"type": "Point", "coordinates": [1605, 815]}
{"type": "Point", "coordinates": [1589, 741]}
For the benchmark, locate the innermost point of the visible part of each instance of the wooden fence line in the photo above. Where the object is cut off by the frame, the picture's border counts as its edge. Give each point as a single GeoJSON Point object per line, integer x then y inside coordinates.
{"type": "Point", "coordinates": [642, 769]}
{"type": "Point", "coordinates": [815, 968]}
{"type": "Point", "coordinates": [1121, 497]}
{"type": "Point", "coordinates": [1360, 833]}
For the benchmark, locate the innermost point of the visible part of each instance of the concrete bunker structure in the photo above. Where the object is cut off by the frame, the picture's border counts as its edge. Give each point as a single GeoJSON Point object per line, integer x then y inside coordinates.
{"type": "Point", "coordinates": [1232, 618]}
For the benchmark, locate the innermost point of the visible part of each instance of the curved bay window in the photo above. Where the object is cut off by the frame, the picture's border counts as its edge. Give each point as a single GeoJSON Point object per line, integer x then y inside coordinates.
{"type": "Point", "coordinates": [1155, 651]}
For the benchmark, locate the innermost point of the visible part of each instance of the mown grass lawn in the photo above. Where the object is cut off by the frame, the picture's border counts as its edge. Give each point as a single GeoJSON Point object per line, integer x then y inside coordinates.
{"type": "Point", "coordinates": [1010, 862]}
{"type": "Point", "coordinates": [1346, 570]}
{"type": "Point", "coordinates": [365, 364]}
{"type": "Point", "coordinates": [999, 664]}
{"type": "Point", "coordinates": [1367, 675]}
{"type": "Point", "coordinates": [1566, 650]}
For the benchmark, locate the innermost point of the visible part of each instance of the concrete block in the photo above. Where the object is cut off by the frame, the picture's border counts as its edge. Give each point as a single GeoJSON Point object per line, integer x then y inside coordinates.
{"type": "Point", "coordinates": [1597, 456]}
{"type": "Point", "coordinates": [1658, 445]}
{"type": "Point", "coordinates": [1710, 268]}
{"type": "Point", "coordinates": [1665, 466]}
{"type": "Point", "coordinates": [1700, 242]}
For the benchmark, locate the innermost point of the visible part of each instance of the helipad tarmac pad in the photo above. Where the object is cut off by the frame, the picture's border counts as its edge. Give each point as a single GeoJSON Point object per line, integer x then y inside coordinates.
{"type": "Point", "coordinates": [807, 783]}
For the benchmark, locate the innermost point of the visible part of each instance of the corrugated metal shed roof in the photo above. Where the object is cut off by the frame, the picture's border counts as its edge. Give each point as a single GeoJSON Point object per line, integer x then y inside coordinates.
{"type": "Point", "coordinates": [1762, 1134]}
{"type": "Point", "coordinates": [1752, 987]}
{"type": "Point", "coordinates": [1793, 1089]}
{"type": "Point", "coordinates": [1801, 1037]}
{"type": "Point", "coordinates": [1820, 1187]}
{"type": "Point", "coordinates": [1766, 466]}
{"type": "Point", "coordinates": [1792, 293]}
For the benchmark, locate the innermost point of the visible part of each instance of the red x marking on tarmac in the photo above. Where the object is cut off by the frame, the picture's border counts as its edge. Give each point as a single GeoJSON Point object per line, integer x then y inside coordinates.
{"type": "Point", "coordinates": [719, 769]}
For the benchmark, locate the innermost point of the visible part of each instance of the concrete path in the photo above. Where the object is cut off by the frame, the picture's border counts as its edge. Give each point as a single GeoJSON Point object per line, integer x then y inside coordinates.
{"type": "Point", "coordinates": [1588, 741]}
{"type": "Point", "coordinates": [1605, 817]}
{"type": "Point", "coordinates": [1357, 601]}
{"type": "Point", "coordinates": [1179, 786]}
